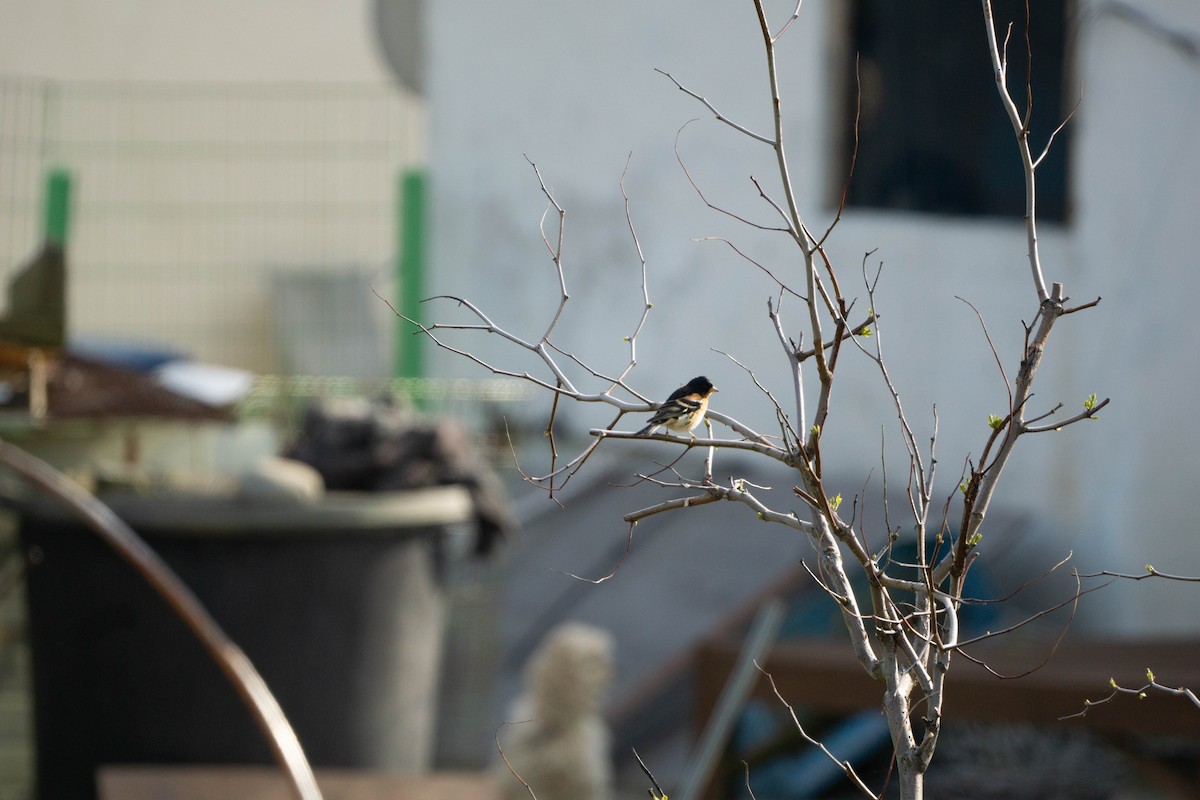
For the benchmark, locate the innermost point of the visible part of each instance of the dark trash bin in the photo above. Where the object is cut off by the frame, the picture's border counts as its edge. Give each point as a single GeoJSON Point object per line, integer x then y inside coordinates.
{"type": "Point", "coordinates": [336, 603]}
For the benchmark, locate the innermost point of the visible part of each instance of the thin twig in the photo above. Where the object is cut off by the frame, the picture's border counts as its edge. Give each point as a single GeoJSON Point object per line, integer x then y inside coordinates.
{"type": "Point", "coordinates": [1000, 70]}
{"type": "Point", "coordinates": [616, 567]}
{"type": "Point", "coordinates": [791, 349]}
{"type": "Point", "coordinates": [991, 346]}
{"type": "Point", "coordinates": [556, 250]}
{"type": "Point", "coordinates": [788, 24]}
{"type": "Point", "coordinates": [788, 429]}
{"type": "Point", "coordinates": [845, 766]}
{"type": "Point", "coordinates": [504, 757]}
{"type": "Point", "coordinates": [711, 493]}
{"type": "Point", "coordinates": [720, 117]}
{"type": "Point", "coordinates": [646, 304]}
{"type": "Point", "coordinates": [783, 286]}
{"type": "Point", "coordinates": [656, 793]}
{"type": "Point", "coordinates": [1072, 601]}
{"type": "Point", "coordinates": [853, 153]}
{"type": "Point", "coordinates": [1150, 572]}
{"type": "Point", "coordinates": [1087, 413]}
{"type": "Point", "coordinates": [687, 173]}
{"type": "Point", "coordinates": [1139, 693]}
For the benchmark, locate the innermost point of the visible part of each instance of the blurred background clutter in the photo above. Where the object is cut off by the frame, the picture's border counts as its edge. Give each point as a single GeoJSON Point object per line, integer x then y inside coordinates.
{"type": "Point", "coordinates": [211, 213]}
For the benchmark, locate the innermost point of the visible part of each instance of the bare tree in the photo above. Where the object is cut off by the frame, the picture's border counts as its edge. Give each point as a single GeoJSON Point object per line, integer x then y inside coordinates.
{"type": "Point", "coordinates": [903, 630]}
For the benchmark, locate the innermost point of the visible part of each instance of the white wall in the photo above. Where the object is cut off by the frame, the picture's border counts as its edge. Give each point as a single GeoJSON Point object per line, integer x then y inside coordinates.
{"type": "Point", "coordinates": [216, 40]}
{"type": "Point", "coordinates": [573, 86]}
{"type": "Point", "coordinates": [1139, 197]}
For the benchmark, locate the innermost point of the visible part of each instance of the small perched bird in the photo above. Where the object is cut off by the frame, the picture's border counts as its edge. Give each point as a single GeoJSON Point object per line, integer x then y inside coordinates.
{"type": "Point", "coordinates": [684, 409]}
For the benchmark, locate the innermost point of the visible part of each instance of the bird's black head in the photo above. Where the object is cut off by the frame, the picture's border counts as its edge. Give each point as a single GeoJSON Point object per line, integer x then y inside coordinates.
{"type": "Point", "coordinates": [701, 386]}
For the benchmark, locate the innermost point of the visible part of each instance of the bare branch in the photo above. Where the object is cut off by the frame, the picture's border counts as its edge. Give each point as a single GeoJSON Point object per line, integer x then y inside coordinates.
{"type": "Point", "coordinates": [778, 209]}
{"type": "Point", "coordinates": [982, 484]}
{"type": "Point", "coordinates": [838, 598]}
{"type": "Point", "coordinates": [504, 757]}
{"type": "Point", "coordinates": [1073, 309]}
{"type": "Point", "coordinates": [550, 436]}
{"type": "Point", "coordinates": [720, 117]}
{"type": "Point", "coordinates": [1072, 601]}
{"type": "Point", "coordinates": [487, 326]}
{"type": "Point", "coordinates": [933, 434]}
{"type": "Point", "coordinates": [1000, 69]}
{"type": "Point", "coordinates": [526, 476]}
{"type": "Point", "coordinates": [656, 793]}
{"type": "Point", "coordinates": [783, 286]}
{"type": "Point", "coordinates": [917, 665]}
{"type": "Point", "coordinates": [803, 238]}
{"type": "Point", "coordinates": [710, 455]}
{"type": "Point", "coordinates": [1032, 581]}
{"type": "Point", "coordinates": [788, 430]}
{"type": "Point", "coordinates": [564, 386]}
{"type": "Point", "coordinates": [746, 779]}
{"type": "Point", "coordinates": [738, 427]}
{"type": "Point", "coordinates": [616, 567]}
{"type": "Point", "coordinates": [1058, 130]}
{"type": "Point", "coordinates": [853, 154]}
{"type": "Point", "coordinates": [1087, 413]}
{"type": "Point", "coordinates": [1139, 693]}
{"type": "Point", "coordinates": [671, 505]}
{"type": "Point", "coordinates": [704, 198]}
{"type": "Point", "coordinates": [788, 24]}
{"type": "Point", "coordinates": [646, 304]}
{"type": "Point", "coordinates": [617, 382]}
{"type": "Point", "coordinates": [710, 493]}
{"type": "Point", "coordinates": [845, 766]}
{"type": "Point", "coordinates": [992, 347]}
{"type": "Point", "coordinates": [791, 349]}
{"type": "Point", "coordinates": [569, 470]}
{"type": "Point", "coordinates": [917, 472]}
{"type": "Point", "coordinates": [861, 329]}
{"type": "Point", "coordinates": [555, 249]}
{"type": "Point", "coordinates": [1150, 572]}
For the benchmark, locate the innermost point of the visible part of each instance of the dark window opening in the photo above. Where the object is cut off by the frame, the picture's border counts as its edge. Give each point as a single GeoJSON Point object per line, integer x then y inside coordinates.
{"type": "Point", "coordinates": [933, 136]}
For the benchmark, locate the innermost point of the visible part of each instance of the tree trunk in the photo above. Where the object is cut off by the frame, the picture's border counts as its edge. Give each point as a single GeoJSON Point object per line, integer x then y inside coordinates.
{"type": "Point", "coordinates": [899, 716]}
{"type": "Point", "coordinates": [912, 782]}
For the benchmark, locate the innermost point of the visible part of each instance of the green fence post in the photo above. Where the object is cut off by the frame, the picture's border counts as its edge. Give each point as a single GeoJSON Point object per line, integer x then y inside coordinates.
{"type": "Point", "coordinates": [410, 268]}
{"type": "Point", "coordinates": [37, 291]}
{"type": "Point", "coordinates": [57, 211]}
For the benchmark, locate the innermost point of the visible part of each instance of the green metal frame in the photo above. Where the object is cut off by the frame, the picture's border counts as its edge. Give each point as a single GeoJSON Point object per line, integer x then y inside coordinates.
{"type": "Point", "coordinates": [410, 269]}
{"type": "Point", "coordinates": [56, 215]}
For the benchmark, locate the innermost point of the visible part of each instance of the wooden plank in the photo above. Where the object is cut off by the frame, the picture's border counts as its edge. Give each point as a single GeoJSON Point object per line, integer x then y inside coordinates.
{"type": "Point", "coordinates": [265, 783]}
{"type": "Point", "coordinates": [822, 676]}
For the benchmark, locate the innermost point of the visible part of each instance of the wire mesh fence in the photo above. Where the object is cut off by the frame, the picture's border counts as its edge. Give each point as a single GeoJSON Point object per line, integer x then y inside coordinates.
{"type": "Point", "coordinates": [242, 224]}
